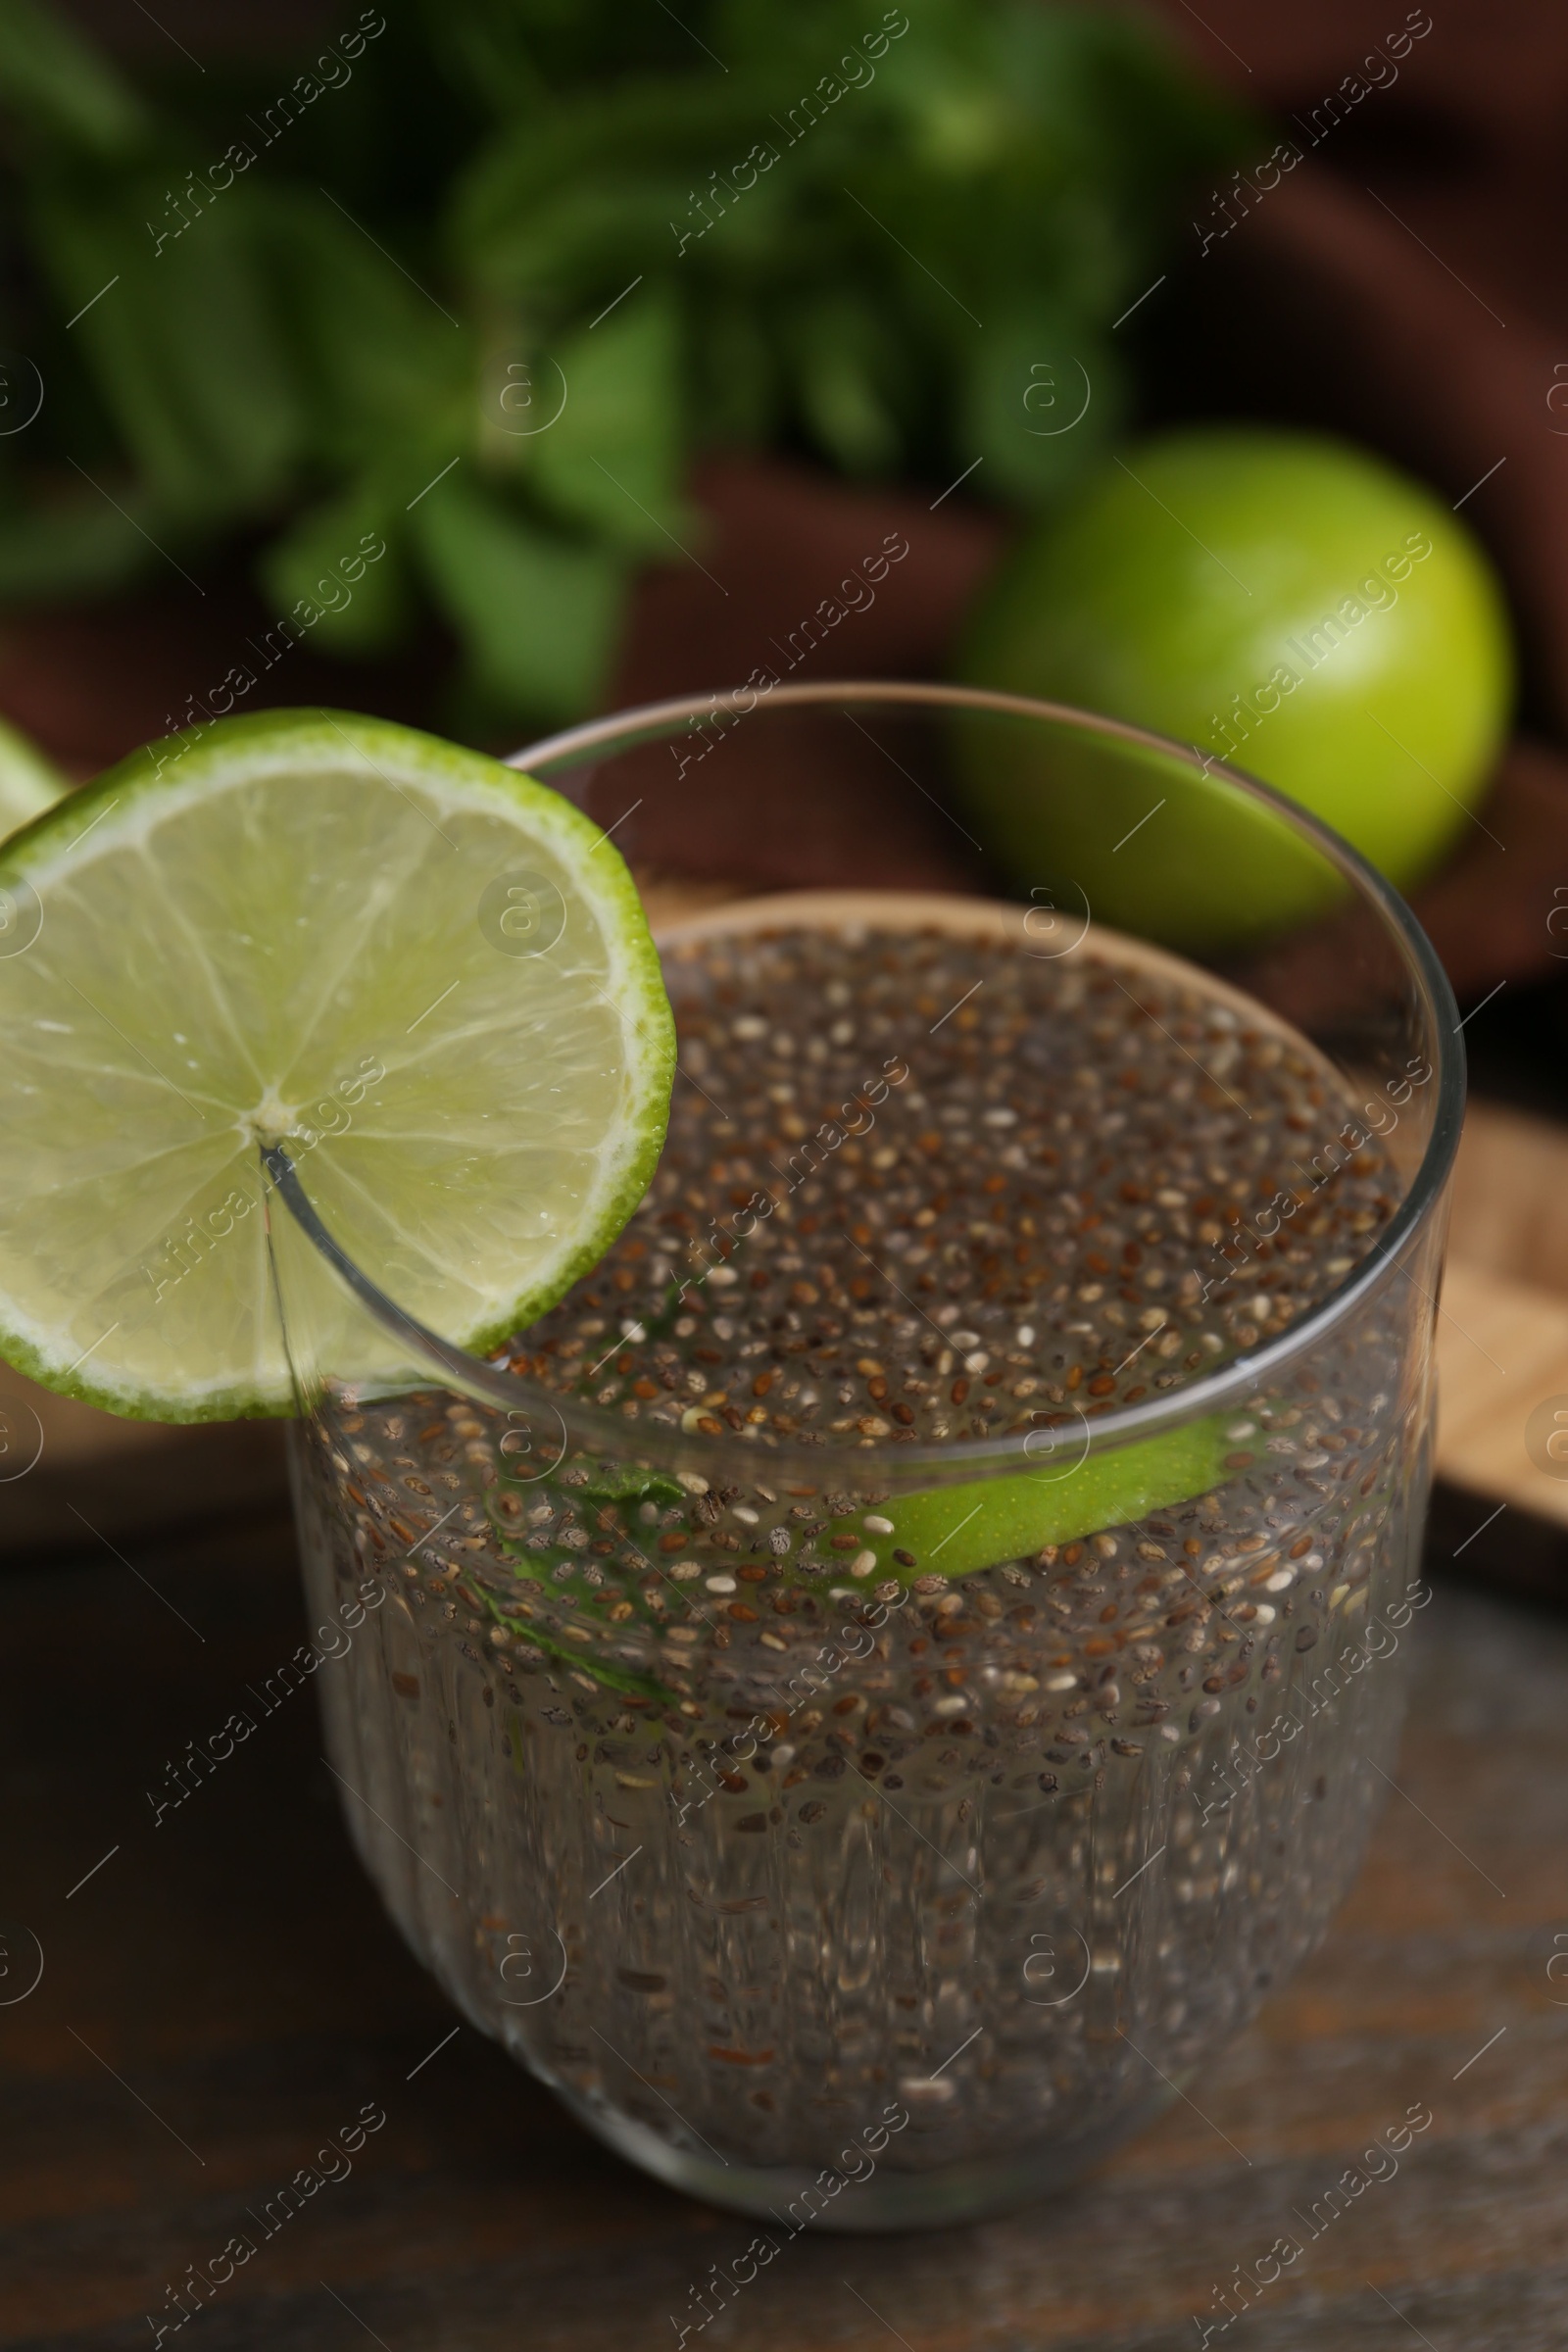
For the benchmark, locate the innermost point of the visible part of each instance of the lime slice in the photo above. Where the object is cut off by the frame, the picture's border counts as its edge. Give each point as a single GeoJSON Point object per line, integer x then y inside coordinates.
{"type": "Point", "coordinates": [29, 783]}
{"type": "Point", "coordinates": [427, 976]}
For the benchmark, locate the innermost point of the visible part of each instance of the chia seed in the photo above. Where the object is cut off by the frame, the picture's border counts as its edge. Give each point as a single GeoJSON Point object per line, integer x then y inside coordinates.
{"type": "Point", "coordinates": [788, 1278]}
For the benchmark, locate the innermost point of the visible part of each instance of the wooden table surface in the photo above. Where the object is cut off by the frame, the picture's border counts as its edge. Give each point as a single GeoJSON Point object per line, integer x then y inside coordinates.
{"type": "Point", "coordinates": [221, 1992]}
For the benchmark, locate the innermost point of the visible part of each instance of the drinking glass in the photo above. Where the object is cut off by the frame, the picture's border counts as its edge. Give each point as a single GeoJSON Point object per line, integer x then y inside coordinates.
{"type": "Point", "coordinates": [898, 1902]}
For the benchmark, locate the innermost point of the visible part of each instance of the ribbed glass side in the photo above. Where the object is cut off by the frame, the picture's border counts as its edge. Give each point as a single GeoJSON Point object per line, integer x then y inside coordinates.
{"type": "Point", "coordinates": [981, 1866]}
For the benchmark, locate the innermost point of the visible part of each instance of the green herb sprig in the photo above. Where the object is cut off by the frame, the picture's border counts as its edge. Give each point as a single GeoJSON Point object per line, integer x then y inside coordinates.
{"type": "Point", "coordinates": [481, 277]}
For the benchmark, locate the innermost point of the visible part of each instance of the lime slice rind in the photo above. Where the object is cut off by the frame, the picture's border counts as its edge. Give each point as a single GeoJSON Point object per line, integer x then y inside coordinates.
{"type": "Point", "coordinates": [29, 783]}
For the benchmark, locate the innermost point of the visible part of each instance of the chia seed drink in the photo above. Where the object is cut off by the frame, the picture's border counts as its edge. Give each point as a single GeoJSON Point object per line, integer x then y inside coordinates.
{"type": "Point", "coordinates": [793, 1722]}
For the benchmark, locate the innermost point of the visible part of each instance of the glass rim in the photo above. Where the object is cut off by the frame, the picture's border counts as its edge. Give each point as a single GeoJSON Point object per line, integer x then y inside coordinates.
{"type": "Point", "coordinates": [602, 1430]}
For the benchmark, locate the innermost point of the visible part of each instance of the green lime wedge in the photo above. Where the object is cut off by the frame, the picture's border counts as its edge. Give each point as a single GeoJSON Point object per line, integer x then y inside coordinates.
{"type": "Point", "coordinates": [949, 1531]}
{"type": "Point", "coordinates": [952, 1530]}
{"type": "Point", "coordinates": [427, 976]}
{"type": "Point", "coordinates": [29, 783]}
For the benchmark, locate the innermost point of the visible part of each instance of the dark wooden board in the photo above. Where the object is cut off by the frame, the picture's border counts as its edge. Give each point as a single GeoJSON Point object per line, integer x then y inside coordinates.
{"type": "Point", "coordinates": [233, 1968]}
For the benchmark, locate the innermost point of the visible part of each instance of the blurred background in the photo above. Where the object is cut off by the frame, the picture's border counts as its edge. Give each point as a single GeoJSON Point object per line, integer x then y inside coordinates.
{"type": "Point", "coordinates": [487, 364]}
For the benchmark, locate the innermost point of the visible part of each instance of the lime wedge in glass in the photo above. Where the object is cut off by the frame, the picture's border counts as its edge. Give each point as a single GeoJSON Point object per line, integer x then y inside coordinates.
{"type": "Point", "coordinates": [954, 1530]}
{"type": "Point", "coordinates": [425, 975]}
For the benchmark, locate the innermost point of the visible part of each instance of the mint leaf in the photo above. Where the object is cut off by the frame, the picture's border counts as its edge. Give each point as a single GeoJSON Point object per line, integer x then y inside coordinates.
{"type": "Point", "coordinates": [536, 610]}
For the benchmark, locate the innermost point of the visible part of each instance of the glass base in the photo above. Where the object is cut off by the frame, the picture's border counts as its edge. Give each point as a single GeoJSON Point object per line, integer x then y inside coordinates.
{"type": "Point", "coordinates": [796, 2199]}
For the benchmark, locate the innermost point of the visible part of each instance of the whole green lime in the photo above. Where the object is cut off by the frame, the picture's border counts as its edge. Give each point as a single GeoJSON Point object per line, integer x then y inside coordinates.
{"type": "Point", "coordinates": [1284, 602]}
